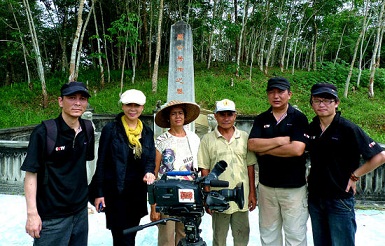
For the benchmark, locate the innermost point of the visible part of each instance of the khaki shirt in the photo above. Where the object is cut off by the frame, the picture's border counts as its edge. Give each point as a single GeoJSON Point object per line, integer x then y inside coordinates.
{"type": "Point", "coordinates": [214, 147]}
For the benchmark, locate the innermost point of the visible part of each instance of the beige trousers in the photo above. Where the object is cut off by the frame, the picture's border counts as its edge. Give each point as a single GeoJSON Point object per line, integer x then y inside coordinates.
{"type": "Point", "coordinates": [239, 222]}
{"type": "Point", "coordinates": [282, 208]}
{"type": "Point", "coordinates": [171, 233]}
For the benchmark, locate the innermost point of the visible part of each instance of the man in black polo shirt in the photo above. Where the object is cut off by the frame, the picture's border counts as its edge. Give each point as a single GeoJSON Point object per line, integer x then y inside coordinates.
{"type": "Point", "coordinates": [56, 188]}
{"type": "Point", "coordinates": [336, 146]}
{"type": "Point", "coordinates": [278, 139]}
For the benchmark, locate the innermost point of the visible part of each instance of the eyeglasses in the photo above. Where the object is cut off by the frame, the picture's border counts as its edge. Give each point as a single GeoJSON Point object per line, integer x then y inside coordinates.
{"type": "Point", "coordinates": [324, 101]}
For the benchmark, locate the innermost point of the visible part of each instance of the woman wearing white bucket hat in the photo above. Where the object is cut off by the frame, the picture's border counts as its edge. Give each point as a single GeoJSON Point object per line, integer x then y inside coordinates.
{"type": "Point", "coordinates": [125, 166]}
{"type": "Point", "coordinates": [176, 149]}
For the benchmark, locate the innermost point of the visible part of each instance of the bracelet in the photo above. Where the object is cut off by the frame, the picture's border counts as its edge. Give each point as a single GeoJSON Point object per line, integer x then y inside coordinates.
{"type": "Point", "coordinates": [354, 177]}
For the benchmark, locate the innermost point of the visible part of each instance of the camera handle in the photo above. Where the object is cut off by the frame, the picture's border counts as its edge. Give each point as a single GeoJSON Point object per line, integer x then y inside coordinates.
{"type": "Point", "coordinates": [141, 227]}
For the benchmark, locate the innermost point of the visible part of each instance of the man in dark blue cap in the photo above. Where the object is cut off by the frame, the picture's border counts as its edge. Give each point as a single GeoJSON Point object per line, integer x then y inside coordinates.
{"type": "Point", "coordinates": [278, 139]}
{"type": "Point", "coordinates": [336, 146]}
{"type": "Point", "coordinates": [55, 185]}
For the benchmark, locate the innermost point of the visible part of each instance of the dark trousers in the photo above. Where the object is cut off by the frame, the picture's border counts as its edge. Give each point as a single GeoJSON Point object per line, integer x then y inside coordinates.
{"type": "Point", "coordinates": [333, 221]}
{"type": "Point", "coordinates": [71, 230]}
{"type": "Point", "coordinates": [121, 239]}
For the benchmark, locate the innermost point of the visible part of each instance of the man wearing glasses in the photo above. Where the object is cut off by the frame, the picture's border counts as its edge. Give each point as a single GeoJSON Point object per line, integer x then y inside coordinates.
{"type": "Point", "coordinates": [336, 146]}
{"type": "Point", "coordinates": [228, 143]}
{"type": "Point", "coordinates": [278, 138]}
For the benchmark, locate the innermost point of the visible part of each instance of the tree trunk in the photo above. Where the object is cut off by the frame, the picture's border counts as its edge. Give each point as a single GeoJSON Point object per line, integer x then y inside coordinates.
{"type": "Point", "coordinates": [236, 22]}
{"type": "Point", "coordinates": [211, 35]}
{"type": "Point", "coordinates": [101, 67]}
{"type": "Point", "coordinates": [62, 38]}
{"type": "Point", "coordinates": [360, 37]}
{"type": "Point", "coordinates": [373, 62]}
{"type": "Point", "coordinates": [314, 57]}
{"type": "Point", "coordinates": [271, 47]}
{"type": "Point", "coordinates": [80, 43]}
{"type": "Point", "coordinates": [123, 64]}
{"type": "Point", "coordinates": [282, 53]}
{"type": "Point", "coordinates": [244, 20]}
{"type": "Point", "coordinates": [261, 52]}
{"type": "Point", "coordinates": [105, 45]}
{"type": "Point", "coordinates": [35, 43]}
{"type": "Point", "coordinates": [150, 37]}
{"type": "Point", "coordinates": [339, 45]}
{"type": "Point", "coordinates": [253, 52]}
{"type": "Point", "coordinates": [74, 49]}
{"type": "Point", "coordinates": [25, 53]}
{"type": "Point", "coordinates": [158, 43]}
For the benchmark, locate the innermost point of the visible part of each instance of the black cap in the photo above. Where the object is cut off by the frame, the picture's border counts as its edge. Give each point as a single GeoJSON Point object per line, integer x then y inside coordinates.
{"type": "Point", "coordinates": [324, 88]}
{"type": "Point", "coordinates": [279, 83]}
{"type": "Point", "coordinates": [74, 87]}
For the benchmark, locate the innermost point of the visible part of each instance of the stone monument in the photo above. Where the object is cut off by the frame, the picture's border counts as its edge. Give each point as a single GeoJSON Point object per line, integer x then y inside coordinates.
{"type": "Point", "coordinates": [181, 67]}
{"type": "Point", "coordinates": [181, 64]}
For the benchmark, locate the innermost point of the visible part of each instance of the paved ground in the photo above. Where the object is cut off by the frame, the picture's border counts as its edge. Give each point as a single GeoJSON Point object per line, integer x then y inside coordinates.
{"type": "Point", "coordinates": [371, 227]}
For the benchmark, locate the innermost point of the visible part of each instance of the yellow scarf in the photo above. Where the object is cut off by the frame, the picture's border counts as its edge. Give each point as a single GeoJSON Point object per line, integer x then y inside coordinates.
{"type": "Point", "coordinates": [133, 136]}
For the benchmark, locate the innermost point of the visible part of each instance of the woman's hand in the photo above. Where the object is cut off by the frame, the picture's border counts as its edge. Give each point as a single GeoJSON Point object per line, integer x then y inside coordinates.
{"type": "Point", "coordinates": [99, 204]}
{"type": "Point", "coordinates": [149, 178]}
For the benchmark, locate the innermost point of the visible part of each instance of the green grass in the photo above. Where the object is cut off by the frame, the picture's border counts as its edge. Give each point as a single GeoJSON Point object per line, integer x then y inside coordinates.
{"type": "Point", "coordinates": [21, 106]}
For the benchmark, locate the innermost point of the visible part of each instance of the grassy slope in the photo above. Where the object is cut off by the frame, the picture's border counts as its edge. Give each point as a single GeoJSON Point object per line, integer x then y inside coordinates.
{"type": "Point", "coordinates": [20, 106]}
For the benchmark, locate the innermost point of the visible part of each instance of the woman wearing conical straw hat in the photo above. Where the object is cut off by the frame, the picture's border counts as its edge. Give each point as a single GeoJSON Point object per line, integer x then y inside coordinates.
{"type": "Point", "coordinates": [176, 150]}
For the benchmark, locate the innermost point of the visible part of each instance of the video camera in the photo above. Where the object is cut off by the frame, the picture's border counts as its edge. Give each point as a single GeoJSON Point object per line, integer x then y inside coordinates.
{"type": "Point", "coordinates": [186, 200]}
{"type": "Point", "coordinates": [176, 197]}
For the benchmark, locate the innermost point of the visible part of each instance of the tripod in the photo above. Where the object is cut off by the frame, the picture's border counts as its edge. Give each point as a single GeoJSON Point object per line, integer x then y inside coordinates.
{"type": "Point", "coordinates": [191, 227]}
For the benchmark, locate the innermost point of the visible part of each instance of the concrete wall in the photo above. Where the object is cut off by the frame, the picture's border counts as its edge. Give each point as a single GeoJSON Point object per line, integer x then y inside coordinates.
{"type": "Point", "coordinates": [371, 187]}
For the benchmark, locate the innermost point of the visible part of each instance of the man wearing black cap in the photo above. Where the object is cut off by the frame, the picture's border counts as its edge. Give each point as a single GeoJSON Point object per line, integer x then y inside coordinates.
{"type": "Point", "coordinates": [55, 185]}
{"type": "Point", "coordinates": [278, 138]}
{"type": "Point", "coordinates": [336, 146]}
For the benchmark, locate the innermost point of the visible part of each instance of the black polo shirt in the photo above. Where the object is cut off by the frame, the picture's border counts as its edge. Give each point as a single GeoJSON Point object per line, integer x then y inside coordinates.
{"type": "Point", "coordinates": [281, 172]}
{"type": "Point", "coordinates": [62, 187]}
{"type": "Point", "coordinates": [335, 155]}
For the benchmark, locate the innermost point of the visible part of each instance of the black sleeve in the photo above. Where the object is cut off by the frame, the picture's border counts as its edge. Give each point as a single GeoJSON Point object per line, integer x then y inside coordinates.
{"type": "Point", "coordinates": [150, 160]}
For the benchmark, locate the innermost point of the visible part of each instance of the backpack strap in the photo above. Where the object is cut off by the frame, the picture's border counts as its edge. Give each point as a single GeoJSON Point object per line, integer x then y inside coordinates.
{"type": "Point", "coordinates": [89, 129]}
{"type": "Point", "coordinates": [51, 132]}
{"type": "Point", "coordinates": [51, 128]}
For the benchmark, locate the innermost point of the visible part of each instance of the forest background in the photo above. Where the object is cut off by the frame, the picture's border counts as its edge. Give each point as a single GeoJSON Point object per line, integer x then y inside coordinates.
{"type": "Point", "coordinates": [114, 45]}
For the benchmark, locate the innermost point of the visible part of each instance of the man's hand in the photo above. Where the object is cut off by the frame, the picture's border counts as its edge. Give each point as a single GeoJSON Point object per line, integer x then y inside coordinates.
{"type": "Point", "coordinates": [154, 216]}
{"type": "Point", "coordinates": [351, 184]}
{"type": "Point", "coordinates": [33, 225]}
{"type": "Point", "coordinates": [252, 202]}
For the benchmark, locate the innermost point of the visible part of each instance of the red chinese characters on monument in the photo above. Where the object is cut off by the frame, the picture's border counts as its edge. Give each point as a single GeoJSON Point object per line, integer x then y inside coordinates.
{"type": "Point", "coordinates": [179, 80]}
{"type": "Point", "coordinates": [180, 37]}
{"type": "Point", "coordinates": [180, 58]}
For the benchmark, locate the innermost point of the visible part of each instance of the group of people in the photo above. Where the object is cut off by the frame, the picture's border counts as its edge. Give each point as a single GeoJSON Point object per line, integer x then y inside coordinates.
{"type": "Point", "coordinates": [129, 159]}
